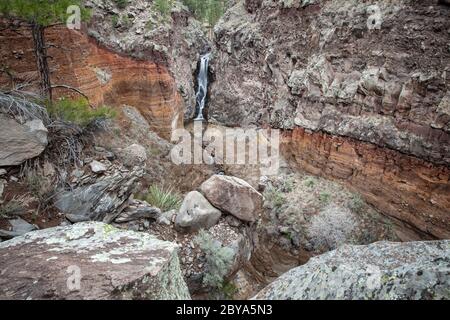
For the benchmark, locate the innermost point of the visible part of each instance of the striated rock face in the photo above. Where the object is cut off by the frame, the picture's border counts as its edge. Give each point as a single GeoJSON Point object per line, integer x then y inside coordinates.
{"type": "Point", "coordinates": [138, 209]}
{"type": "Point", "coordinates": [110, 263]}
{"type": "Point", "coordinates": [99, 198]}
{"type": "Point", "coordinates": [364, 89]}
{"type": "Point", "coordinates": [233, 195]}
{"type": "Point", "coordinates": [383, 270]}
{"type": "Point", "coordinates": [406, 188]}
{"type": "Point", "coordinates": [104, 76]}
{"type": "Point", "coordinates": [377, 73]}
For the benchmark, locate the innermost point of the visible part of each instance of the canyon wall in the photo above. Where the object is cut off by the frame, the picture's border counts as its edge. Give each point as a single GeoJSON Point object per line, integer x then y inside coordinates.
{"type": "Point", "coordinates": [361, 89]}
{"type": "Point", "coordinates": [175, 40]}
{"type": "Point", "coordinates": [147, 66]}
{"type": "Point", "coordinates": [414, 192]}
{"type": "Point", "coordinates": [107, 78]}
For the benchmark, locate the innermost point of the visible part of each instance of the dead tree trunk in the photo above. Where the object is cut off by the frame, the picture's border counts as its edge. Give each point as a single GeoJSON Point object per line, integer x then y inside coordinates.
{"type": "Point", "coordinates": [40, 51]}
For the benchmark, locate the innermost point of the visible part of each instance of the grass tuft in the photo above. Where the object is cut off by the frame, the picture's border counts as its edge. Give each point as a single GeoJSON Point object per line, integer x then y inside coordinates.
{"type": "Point", "coordinates": [164, 198]}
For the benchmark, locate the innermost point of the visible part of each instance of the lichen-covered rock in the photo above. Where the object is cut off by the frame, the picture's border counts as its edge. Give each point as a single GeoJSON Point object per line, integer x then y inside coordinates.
{"type": "Point", "coordinates": [196, 213]}
{"type": "Point", "coordinates": [233, 195]}
{"type": "Point", "coordinates": [383, 270]}
{"type": "Point", "coordinates": [90, 260]}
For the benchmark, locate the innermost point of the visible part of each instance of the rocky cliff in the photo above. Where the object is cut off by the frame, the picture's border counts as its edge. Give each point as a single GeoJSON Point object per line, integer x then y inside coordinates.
{"type": "Point", "coordinates": [144, 62]}
{"type": "Point", "coordinates": [175, 40]}
{"type": "Point", "coordinates": [361, 90]}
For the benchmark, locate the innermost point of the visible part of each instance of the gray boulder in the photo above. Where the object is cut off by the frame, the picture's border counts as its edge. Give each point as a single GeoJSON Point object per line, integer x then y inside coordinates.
{"type": "Point", "coordinates": [136, 210]}
{"type": "Point", "coordinates": [383, 270]}
{"type": "Point", "coordinates": [133, 155]}
{"type": "Point", "coordinates": [196, 213]}
{"type": "Point", "coordinates": [18, 227]}
{"type": "Point", "coordinates": [20, 142]}
{"type": "Point", "coordinates": [97, 167]}
{"type": "Point", "coordinates": [233, 195]}
{"type": "Point", "coordinates": [167, 218]}
{"type": "Point", "coordinates": [90, 260]}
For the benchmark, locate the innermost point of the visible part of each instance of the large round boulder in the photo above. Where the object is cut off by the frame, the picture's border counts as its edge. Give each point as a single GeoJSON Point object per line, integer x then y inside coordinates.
{"type": "Point", "coordinates": [196, 213]}
{"type": "Point", "coordinates": [233, 195]}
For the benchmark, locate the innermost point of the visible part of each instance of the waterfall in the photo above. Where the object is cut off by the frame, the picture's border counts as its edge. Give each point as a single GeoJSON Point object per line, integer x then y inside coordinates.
{"type": "Point", "coordinates": [202, 82]}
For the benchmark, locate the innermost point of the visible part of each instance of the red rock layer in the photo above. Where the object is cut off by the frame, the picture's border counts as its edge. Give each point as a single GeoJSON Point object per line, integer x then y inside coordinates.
{"type": "Point", "coordinates": [104, 76]}
{"type": "Point", "coordinates": [406, 188]}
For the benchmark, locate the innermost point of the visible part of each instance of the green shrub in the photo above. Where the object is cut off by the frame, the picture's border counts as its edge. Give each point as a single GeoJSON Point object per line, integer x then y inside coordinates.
{"type": "Point", "coordinates": [286, 185]}
{"type": "Point", "coordinates": [163, 6]}
{"type": "Point", "coordinates": [163, 198]}
{"type": "Point", "coordinates": [324, 198]}
{"type": "Point", "coordinates": [274, 197]}
{"type": "Point", "coordinates": [115, 20]}
{"type": "Point", "coordinates": [126, 21]}
{"type": "Point", "coordinates": [78, 111]}
{"type": "Point", "coordinates": [229, 289]}
{"type": "Point", "coordinates": [219, 260]}
{"type": "Point", "coordinates": [356, 203]}
{"type": "Point", "coordinates": [310, 182]}
{"type": "Point", "coordinates": [121, 4]}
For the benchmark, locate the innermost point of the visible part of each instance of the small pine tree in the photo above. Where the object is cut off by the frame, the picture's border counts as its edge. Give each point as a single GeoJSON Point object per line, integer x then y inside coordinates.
{"type": "Point", "coordinates": [207, 10]}
{"type": "Point", "coordinates": [40, 14]}
{"type": "Point", "coordinates": [163, 6]}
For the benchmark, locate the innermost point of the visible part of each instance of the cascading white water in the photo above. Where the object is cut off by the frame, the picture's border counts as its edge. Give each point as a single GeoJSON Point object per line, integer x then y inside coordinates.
{"type": "Point", "coordinates": [202, 82]}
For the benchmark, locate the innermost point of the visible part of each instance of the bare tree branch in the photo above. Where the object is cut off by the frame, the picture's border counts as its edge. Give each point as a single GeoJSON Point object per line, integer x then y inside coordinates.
{"type": "Point", "coordinates": [73, 89]}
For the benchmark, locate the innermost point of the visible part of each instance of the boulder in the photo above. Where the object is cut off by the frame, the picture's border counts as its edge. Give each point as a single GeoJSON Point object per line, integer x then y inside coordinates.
{"type": "Point", "coordinates": [133, 155]}
{"type": "Point", "coordinates": [99, 198]}
{"type": "Point", "coordinates": [90, 260]}
{"type": "Point", "coordinates": [97, 167]}
{"type": "Point", "coordinates": [20, 142]}
{"type": "Point", "coordinates": [136, 210]}
{"type": "Point", "coordinates": [383, 270]}
{"type": "Point", "coordinates": [234, 196]}
{"type": "Point", "coordinates": [167, 217]}
{"type": "Point", "coordinates": [18, 227]}
{"type": "Point", "coordinates": [196, 213]}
